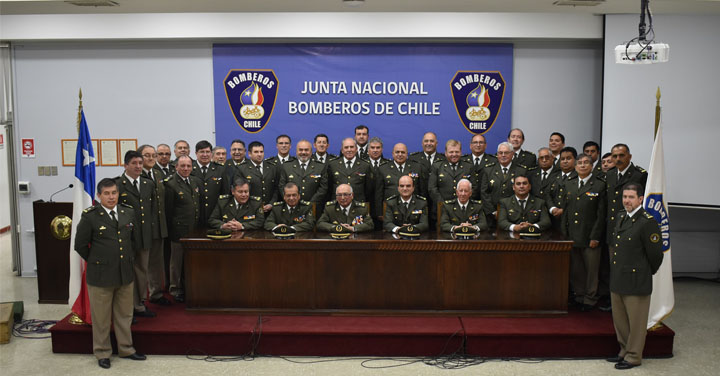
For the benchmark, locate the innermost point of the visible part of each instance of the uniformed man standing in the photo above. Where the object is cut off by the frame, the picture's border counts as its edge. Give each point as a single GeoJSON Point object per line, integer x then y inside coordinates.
{"type": "Point", "coordinates": [163, 161]}
{"type": "Point", "coordinates": [211, 175]}
{"type": "Point", "coordinates": [583, 221]}
{"type": "Point", "coordinates": [521, 210]}
{"type": "Point", "coordinates": [181, 148]}
{"type": "Point", "coordinates": [462, 211]}
{"type": "Point", "coordinates": [232, 166]}
{"type": "Point", "coordinates": [350, 169]}
{"type": "Point", "coordinates": [478, 157]}
{"type": "Point", "coordinates": [386, 179]}
{"type": "Point", "coordinates": [568, 157]}
{"type": "Point", "coordinates": [219, 154]}
{"type": "Point", "coordinates": [362, 134]}
{"type": "Point", "coordinates": [444, 176]}
{"type": "Point", "coordinates": [429, 155]}
{"type": "Point", "coordinates": [542, 177]}
{"type": "Point", "coordinates": [322, 143]}
{"type": "Point", "coordinates": [283, 143]}
{"type": "Point", "coordinates": [344, 211]}
{"type": "Point", "coordinates": [262, 176]}
{"type": "Point", "coordinates": [182, 206]}
{"type": "Point", "coordinates": [239, 211]}
{"type": "Point", "coordinates": [107, 239]}
{"type": "Point", "coordinates": [607, 162]}
{"type": "Point", "coordinates": [308, 175]}
{"type": "Point", "coordinates": [524, 158]}
{"type": "Point", "coordinates": [592, 149]}
{"type": "Point", "coordinates": [405, 208]}
{"type": "Point", "coordinates": [497, 180]}
{"type": "Point", "coordinates": [636, 254]}
{"type": "Point", "coordinates": [139, 193]}
{"type": "Point", "coordinates": [556, 145]}
{"type": "Point", "coordinates": [291, 212]}
{"type": "Point", "coordinates": [156, 260]}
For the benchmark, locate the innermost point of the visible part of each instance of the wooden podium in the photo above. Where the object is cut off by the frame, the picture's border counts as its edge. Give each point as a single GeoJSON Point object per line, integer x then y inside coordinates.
{"type": "Point", "coordinates": [52, 255]}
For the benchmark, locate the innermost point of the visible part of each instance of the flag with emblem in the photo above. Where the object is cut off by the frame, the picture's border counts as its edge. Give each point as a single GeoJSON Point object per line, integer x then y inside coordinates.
{"type": "Point", "coordinates": [662, 300]}
{"type": "Point", "coordinates": [84, 191]}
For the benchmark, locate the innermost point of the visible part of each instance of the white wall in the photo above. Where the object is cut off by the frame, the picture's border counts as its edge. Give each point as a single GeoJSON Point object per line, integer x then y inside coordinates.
{"type": "Point", "coordinates": [4, 182]}
{"type": "Point", "coordinates": [690, 96]}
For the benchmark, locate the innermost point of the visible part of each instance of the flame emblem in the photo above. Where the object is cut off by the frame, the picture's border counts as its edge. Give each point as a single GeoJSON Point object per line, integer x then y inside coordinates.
{"type": "Point", "coordinates": [478, 101]}
{"type": "Point", "coordinates": [252, 99]}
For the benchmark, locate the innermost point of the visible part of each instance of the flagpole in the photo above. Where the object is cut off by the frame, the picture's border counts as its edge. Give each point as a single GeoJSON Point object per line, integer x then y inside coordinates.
{"type": "Point", "coordinates": [657, 111]}
{"type": "Point", "coordinates": [77, 130]}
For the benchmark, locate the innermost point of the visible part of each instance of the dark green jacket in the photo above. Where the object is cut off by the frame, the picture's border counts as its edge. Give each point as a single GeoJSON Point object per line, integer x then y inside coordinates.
{"type": "Point", "coordinates": [452, 215]}
{"type": "Point", "coordinates": [301, 220]}
{"type": "Point", "coordinates": [495, 186]}
{"type": "Point", "coordinates": [635, 254]}
{"type": "Point", "coordinates": [250, 214]}
{"type": "Point", "coordinates": [144, 204]}
{"type": "Point", "coordinates": [386, 180]}
{"type": "Point", "coordinates": [182, 205]}
{"type": "Point", "coordinates": [633, 174]}
{"type": "Point", "coordinates": [359, 177]}
{"type": "Point", "coordinates": [359, 217]}
{"type": "Point", "coordinates": [443, 180]}
{"type": "Point", "coordinates": [263, 185]}
{"type": "Point", "coordinates": [312, 182]}
{"type": "Point", "coordinates": [583, 217]}
{"type": "Point", "coordinates": [157, 178]}
{"type": "Point", "coordinates": [526, 159]}
{"type": "Point", "coordinates": [415, 214]}
{"type": "Point", "coordinates": [212, 186]}
{"type": "Point", "coordinates": [108, 248]}
{"type": "Point", "coordinates": [511, 213]}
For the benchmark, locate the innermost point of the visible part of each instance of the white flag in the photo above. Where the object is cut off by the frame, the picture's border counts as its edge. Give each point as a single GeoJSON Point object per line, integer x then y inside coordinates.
{"type": "Point", "coordinates": [662, 299]}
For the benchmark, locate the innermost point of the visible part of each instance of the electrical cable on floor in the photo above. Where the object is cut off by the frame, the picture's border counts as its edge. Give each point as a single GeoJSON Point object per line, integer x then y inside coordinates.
{"type": "Point", "coordinates": [33, 329]}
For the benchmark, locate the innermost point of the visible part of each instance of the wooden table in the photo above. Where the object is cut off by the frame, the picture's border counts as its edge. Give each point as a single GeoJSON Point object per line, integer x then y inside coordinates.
{"type": "Point", "coordinates": [376, 273]}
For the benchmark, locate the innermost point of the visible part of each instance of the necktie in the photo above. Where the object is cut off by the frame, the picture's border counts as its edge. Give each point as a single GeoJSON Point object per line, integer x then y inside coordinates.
{"type": "Point", "coordinates": [619, 176]}
{"type": "Point", "coordinates": [407, 205]}
{"type": "Point", "coordinates": [135, 184]}
{"type": "Point", "coordinates": [260, 168]}
{"type": "Point", "coordinates": [505, 171]}
{"type": "Point", "coordinates": [477, 161]}
{"type": "Point", "coordinates": [454, 167]}
{"type": "Point", "coordinates": [303, 166]}
{"type": "Point", "coordinates": [462, 207]}
{"type": "Point", "coordinates": [204, 170]}
{"type": "Point", "coordinates": [150, 173]}
{"type": "Point", "coordinates": [291, 211]}
{"type": "Point", "coordinates": [346, 212]}
{"type": "Point", "coordinates": [322, 159]}
{"type": "Point", "coordinates": [522, 204]}
{"type": "Point", "coordinates": [564, 177]}
{"type": "Point", "coordinates": [544, 176]}
{"type": "Point", "coordinates": [187, 181]}
{"type": "Point", "coordinates": [400, 168]}
{"type": "Point", "coordinates": [582, 183]}
{"type": "Point", "coordinates": [166, 171]}
{"type": "Point", "coordinates": [349, 165]}
{"type": "Point", "coordinates": [376, 164]}
{"type": "Point", "coordinates": [112, 215]}
{"type": "Point", "coordinates": [282, 160]}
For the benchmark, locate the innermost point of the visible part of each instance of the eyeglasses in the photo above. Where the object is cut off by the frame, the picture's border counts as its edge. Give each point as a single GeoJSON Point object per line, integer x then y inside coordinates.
{"type": "Point", "coordinates": [163, 154]}
{"type": "Point", "coordinates": [343, 194]}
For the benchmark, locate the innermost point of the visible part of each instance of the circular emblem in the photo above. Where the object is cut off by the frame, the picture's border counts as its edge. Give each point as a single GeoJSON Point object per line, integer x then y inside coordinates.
{"type": "Point", "coordinates": [464, 229]}
{"type": "Point", "coordinates": [338, 228]}
{"type": "Point", "coordinates": [531, 229]}
{"type": "Point", "coordinates": [410, 228]}
{"type": "Point", "coordinates": [283, 229]}
{"type": "Point", "coordinates": [655, 238]}
{"type": "Point", "coordinates": [60, 227]}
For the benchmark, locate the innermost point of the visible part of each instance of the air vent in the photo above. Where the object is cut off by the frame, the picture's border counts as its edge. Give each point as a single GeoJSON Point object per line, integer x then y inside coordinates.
{"type": "Point", "coordinates": [579, 3]}
{"type": "Point", "coordinates": [93, 3]}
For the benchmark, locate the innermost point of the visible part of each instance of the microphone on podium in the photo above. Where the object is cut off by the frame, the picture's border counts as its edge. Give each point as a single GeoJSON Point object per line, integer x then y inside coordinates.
{"type": "Point", "coordinates": [68, 187]}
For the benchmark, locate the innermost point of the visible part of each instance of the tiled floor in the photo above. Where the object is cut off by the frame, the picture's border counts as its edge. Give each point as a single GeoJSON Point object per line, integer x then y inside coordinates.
{"type": "Point", "coordinates": [696, 321]}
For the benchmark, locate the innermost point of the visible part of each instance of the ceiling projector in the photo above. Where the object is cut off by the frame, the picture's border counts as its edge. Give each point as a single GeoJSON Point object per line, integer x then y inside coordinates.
{"type": "Point", "coordinates": [635, 53]}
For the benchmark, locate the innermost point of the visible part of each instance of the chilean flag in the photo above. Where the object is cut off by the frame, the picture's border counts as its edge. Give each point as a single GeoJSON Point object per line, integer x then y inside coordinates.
{"type": "Point", "coordinates": [84, 192]}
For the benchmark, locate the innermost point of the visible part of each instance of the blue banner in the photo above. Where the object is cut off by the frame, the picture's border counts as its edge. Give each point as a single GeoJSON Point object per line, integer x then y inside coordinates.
{"type": "Point", "coordinates": [399, 91]}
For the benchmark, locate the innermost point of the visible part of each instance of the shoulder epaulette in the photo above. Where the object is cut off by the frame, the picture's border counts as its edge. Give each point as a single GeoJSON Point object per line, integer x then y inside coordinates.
{"type": "Point", "coordinates": [222, 197]}
{"type": "Point", "coordinates": [88, 210]}
{"type": "Point", "coordinates": [125, 205]}
{"type": "Point", "coordinates": [649, 216]}
{"type": "Point", "coordinates": [360, 204]}
{"type": "Point", "coordinates": [305, 202]}
{"type": "Point", "coordinates": [602, 178]}
{"type": "Point", "coordinates": [279, 203]}
{"type": "Point", "coordinates": [256, 198]}
{"type": "Point", "coordinates": [329, 203]}
{"type": "Point", "coordinates": [391, 198]}
{"type": "Point", "coordinates": [421, 197]}
{"type": "Point", "coordinates": [449, 201]}
{"type": "Point", "coordinates": [167, 179]}
{"type": "Point", "coordinates": [490, 164]}
{"type": "Point", "coordinates": [520, 165]}
{"type": "Point", "coordinates": [415, 153]}
{"type": "Point", "coordinates": [641, 169]}
{"type": "Point", "coordinates": [476, 201]}
{"type": "Point", "coordinates": [533, 168]}
{"type": "Point", "coordinates": [270, 161]}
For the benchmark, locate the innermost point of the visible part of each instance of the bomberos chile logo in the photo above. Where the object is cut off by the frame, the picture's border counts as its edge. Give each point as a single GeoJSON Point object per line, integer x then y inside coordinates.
{"type": "Point", "coordinates": [478, 97]}
{"type": "Point", "coordinates": [251, 94]}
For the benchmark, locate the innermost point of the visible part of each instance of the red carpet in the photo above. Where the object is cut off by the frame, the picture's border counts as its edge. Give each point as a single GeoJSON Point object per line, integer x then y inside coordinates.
{"type": "Point", "coordinates": [176, 331]}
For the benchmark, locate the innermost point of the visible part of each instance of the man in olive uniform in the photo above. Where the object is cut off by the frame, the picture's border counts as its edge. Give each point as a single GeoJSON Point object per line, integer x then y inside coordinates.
{"type": "Point", "coordinates": [350, 169]}
{"type": "Point", "coordinates": [139, 193]}
{"type": "Point", "coordinates": [163, 164]}
{"type": "Point", "coordinates": [405, 208]}
{"type": "Point", "coordinates": [521, 210]}
{"type": "Point", "coordinates": [291, 212]}
{"type": "Point", "coordinates": [524, 158]}
{"type": "Point", "coordinates": [542, 177]}
{"type": "Point", "coordinates": [181, 148]}
{"type": "Point", "coordinates": [463, 211]}
{"type": "Point", "coordinates": [444, 176]}
{"type": "Point", "coordinates": [636, 254]}
{"type": "Point", "coordinates": [262, 176]}
{"type": "Point", "coordinates": [583, 221]}
{"type": "Point", "coordinates": [362, 135]}
{"type": "Point", "coordinates": [375, 153]}
{"type": "Point", "coordinates": [211, 175]}
{"type": "Point", "coordinates": [556, 145]}
{"type": "Point", "coordinates": [497, 180]}
{"type": "Point", "coordinates": [107, 239]}
{"type": "Point", "coordinates": [344, 211]}
{"type": "Point", "coordinates": [239, 211]}
{"type": "Point", "coordinates": [477, 156]}
{"type": "Point", "coordinates": [568, 158]}
{"type": "Point", "coordinates": [232, 166]}
{"type": "Point", "coordinates": [322, 143]}
{"type": "Point", "coordinates": [156, 261]}
{"type": "Point", "coordinates": [386, 179]}
{"type": "Point", "coordinates": [309, 176]}
{"type": "Point", "coordinates": [624, 172]}
{"type": "Point", "coordinates": [429, 155]}
{"type": "Point", "coordinates": [283, 143]}
{"type": "Point", "coordinates": [592, 149]}
{"type": "Point", "coordinates": [182, 210]}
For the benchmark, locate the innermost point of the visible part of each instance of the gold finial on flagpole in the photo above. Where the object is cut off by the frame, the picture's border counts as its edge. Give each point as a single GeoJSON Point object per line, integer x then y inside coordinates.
{"type": "Point", "coordinates": [657, 111]}
{"type": "Point", "coordinates": [79, 111]}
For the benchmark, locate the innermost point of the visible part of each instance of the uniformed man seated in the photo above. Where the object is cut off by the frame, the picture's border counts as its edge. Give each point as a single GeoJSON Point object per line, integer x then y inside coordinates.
{"type": "Point", "coordinates": [352, 215]}
{"type": "Point", "coordinates": [239, 211]}
{"type": "Point", "coordinates": [405, 208]}
{"type": "Point", "coordinates": [292, 212]}
{"type": "Point", "coordinates": [463, 212]}
{"type": "Point", "coordinates": [520, 211]}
